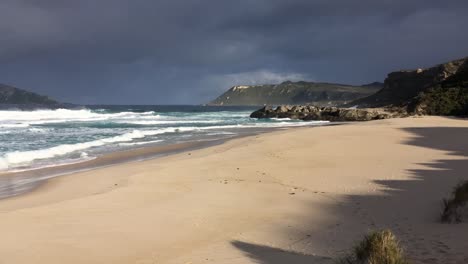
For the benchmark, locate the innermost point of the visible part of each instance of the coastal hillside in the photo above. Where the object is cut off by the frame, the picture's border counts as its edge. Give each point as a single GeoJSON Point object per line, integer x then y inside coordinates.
{"type": "Point", "coordinates": [449, 97]}
{"type": "Point", "coordinates": [439, 90]}
{"type": "Point", "coordinates": [295, 93]}
{"type": "Point", "coordinates": [11, 96]}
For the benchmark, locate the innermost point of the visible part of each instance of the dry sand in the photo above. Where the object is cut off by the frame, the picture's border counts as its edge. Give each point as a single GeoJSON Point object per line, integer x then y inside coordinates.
{"type": "Point", "coordinates": [296, 196]}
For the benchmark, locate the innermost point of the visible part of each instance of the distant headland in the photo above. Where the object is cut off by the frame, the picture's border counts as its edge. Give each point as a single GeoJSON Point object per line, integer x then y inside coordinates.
{"type": "Point", "coordinates": [12, 97]}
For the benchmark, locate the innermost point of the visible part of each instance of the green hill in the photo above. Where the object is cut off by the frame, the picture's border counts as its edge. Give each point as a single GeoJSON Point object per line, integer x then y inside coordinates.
{"type": "Point", "coordinates": [294, 93]}
{"type": "Point", "coordinates": [11, 96]}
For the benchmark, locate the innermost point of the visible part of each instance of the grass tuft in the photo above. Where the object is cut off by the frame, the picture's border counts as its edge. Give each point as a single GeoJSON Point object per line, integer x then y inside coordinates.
{"type": "Point", "coordinates": [379, 247]}
{"type": "Point", "coordinates": [455, 208]}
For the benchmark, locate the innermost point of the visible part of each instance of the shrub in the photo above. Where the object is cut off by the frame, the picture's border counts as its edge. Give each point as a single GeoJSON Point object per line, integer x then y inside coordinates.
{"type": "Point", "coordinates": [380, 247]}
{"type": "Point", "coordinates": [455, 207]}
{"type": "Point", "coordinates": [443, 101]}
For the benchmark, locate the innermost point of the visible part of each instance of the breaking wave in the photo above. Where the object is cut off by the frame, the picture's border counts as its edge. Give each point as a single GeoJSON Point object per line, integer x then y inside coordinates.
{"type": "Point", "coordinates": [52, 136]}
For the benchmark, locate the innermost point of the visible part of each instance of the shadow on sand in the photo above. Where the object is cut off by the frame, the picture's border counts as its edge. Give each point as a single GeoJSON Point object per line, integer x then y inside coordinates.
{"type": "Point", "coordinates": [269, 255]}
{"type": "Point", "coordinates": [416, 224]}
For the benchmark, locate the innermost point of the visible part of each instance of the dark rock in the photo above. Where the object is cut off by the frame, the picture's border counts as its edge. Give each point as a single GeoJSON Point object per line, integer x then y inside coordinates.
{"type": "Point", "coordinates": [282, 109]}
{"type": "Point", "coordinates": [329, 113]}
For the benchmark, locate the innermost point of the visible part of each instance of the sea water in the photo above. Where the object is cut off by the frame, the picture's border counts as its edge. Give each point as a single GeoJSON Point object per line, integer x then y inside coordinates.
{"type": "Point", "coordinates": [44, 138]}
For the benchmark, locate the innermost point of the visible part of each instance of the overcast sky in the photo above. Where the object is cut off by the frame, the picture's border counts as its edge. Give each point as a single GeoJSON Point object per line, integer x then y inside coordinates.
{"type": "Point", "coordinates": [188, 52]}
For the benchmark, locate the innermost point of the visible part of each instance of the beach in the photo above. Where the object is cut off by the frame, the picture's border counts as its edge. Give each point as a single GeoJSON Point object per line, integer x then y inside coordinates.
{"type": "Point", "coordinates": [301, 195]}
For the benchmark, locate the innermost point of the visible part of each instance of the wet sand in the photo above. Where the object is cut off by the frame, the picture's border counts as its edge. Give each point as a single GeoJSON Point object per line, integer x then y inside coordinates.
{"type": "Point", "coordinates": [301, 195]}
{"type": "Point", "coordinates": [20, 182]}
{"type": "Point", "coordinates": [17, 183]}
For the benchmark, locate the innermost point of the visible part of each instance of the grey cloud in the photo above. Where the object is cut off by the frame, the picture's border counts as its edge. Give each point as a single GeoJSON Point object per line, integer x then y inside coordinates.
{"type": "Point", "coordinates": [142, 51]}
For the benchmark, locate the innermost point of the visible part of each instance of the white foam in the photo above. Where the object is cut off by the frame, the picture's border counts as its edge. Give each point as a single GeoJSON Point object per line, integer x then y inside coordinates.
{"type": "Point", "coordinates": [140, 143]}
{"type": "Point", "coordinates": [167, 122]}
{"type": "Point", "coordinates": [280, 119]}
{"type": "Point", "coordinates": [37, 130]}
{"type": "Point", "coordinates": [14, 125]}
{"type": "Point", "coordinates": [3, 164]}
{"type": "Point", "coordinates": [19, 119]}
{"type": "Point", "coordinates": [15, 121]}
{"type": "Point", "coordinates": [12, 159]}
{"type": "Point", "coordinates": [16, 158]}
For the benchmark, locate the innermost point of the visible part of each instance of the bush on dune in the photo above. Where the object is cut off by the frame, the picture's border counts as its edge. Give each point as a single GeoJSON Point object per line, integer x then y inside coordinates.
{"type": "Point", "coordinates": [455, 208]}
{"type": "Point", "coordinates": [380, 247]}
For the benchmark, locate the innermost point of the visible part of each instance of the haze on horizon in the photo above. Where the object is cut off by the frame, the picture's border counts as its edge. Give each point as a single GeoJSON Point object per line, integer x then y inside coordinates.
{"type": "Point", "coordinates": [188, 52]}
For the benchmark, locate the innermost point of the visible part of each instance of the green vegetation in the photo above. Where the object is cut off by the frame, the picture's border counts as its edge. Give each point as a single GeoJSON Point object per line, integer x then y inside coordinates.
{"type": "Point", "coordinates": [379, 247]}
{"type": "Point", "coordinates": [439, 90]}
{"type": "Point", "coordinates": [444, 101]}
{"type": "Point", "coordinates": [450, 97]}
{"type": "Point", "coordinates": [455, 206]}
{"type": "Point", "coordinates": [325, 94]}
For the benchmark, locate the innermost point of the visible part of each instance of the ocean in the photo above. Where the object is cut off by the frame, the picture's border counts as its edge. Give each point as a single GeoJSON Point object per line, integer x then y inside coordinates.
{"type": "Point", "coordinates": [44, 138]}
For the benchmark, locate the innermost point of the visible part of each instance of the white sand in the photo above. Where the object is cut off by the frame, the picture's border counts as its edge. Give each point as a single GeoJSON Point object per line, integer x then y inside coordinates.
{"type": "Point", "coordinates": [310, 191]}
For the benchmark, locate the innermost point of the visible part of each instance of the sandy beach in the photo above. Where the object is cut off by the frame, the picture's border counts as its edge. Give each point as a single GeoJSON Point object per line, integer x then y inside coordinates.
{"type": "Point", "coordinates": [302, 195]}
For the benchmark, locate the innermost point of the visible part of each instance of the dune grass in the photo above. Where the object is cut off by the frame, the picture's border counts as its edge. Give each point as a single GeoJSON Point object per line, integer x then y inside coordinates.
{"type": "Point", "coordinates": [455, 207]}
{"type": "Point", "coordinates": [380, 247]}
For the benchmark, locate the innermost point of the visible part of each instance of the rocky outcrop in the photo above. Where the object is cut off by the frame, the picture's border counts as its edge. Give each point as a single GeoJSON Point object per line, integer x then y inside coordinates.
{"type": "Point", "coordinates": [440, 90]}
{"type": "Point", "coordinates": [325, 94]}
{"type": "Point", "coordinates": [327, 113]}
{"type": "Point", "coordinates": [449, 97]}
{"type": "Point", "coordinates": [402, 88]}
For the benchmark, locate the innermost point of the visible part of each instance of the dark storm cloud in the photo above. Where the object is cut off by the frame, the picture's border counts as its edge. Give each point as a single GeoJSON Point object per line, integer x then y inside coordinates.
{"type": "Point", "coordinates": [116, 51]}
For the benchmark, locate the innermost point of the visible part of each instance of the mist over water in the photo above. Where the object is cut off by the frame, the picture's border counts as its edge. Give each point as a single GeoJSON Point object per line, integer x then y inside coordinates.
{"type": "Point", "coordinates": [33, 139]}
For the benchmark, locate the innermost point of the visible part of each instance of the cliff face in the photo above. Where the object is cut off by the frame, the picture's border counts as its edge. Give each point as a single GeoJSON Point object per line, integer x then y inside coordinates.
{"type": "Point", "coordinates": [440, 90]}
{"type": "Point", "coordinates": [402, 88]}
{"type": "Point", "coordinates": [294, 93]}
{"type": "Point", "coordinates": [14, 97]}
{"type": "Point", "coordinates": [448, 97]}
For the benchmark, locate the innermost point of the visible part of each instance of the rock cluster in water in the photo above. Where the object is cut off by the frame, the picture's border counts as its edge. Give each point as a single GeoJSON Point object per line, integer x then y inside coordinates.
{"type": "Point", "coordinates": [304, 112]}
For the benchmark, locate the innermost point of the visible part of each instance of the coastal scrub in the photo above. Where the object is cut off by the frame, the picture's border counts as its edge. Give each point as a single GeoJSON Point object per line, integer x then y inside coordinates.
{"type": "Point", "coordinates": [455, 208]}
{"type": "Point", "coordinates": [379, 247]}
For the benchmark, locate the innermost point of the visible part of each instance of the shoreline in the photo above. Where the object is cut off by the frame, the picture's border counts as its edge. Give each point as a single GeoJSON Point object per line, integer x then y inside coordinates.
{"type": "Point", "coordinates": [18, 183]}
{"type": "Point", "coordinates": [290, 196]}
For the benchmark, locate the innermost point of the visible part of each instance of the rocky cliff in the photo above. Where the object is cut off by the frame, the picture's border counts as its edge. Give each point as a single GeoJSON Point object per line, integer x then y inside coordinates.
{"type": "Point", "coordinates": [14, 97]}
{"type": "Point", "coordinates": [448, 97]}
{"type": "Point", "coordinates": [295, 93]}
{"type": "Point", "coordinates": [412, 89]}
{"type": "Point", "coordinates": [440, 90]}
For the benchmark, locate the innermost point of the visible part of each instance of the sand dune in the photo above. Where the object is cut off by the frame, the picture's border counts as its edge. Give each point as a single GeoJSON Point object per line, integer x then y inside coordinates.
{"type": "Point", "coordinates": [302, 195]}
